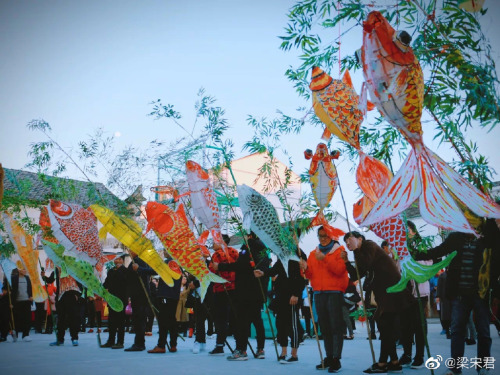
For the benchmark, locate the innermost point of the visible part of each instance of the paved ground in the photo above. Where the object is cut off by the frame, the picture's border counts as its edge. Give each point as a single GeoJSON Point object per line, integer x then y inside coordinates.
{"type": "Point", "coordinates": [38, 358]}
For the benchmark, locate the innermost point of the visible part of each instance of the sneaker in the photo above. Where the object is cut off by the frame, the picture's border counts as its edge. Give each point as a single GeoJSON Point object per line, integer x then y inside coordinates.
{"type": "Point", "coordinates": [117, 346]}
{"type": "Point", "coordinates": [282, 359]}
{"type": "Point", "coordinates": [290, 360]}
{"type": "Point", "coordinates": [335, 365]}
{"type": "Point", "coordinates": [158, 350]}
{"type": "Point", "coordinates": [196, 347]}
{"type": "Point", "coordinates": [218, 350]}
{"type": "Point", "coordinates": [238, 356]}
{"type": "Point", "coordinates": [376, 369]}
{"type": "Point", "coordinates": [394, 367]}
{"type": "Point", "coordinates": [325, 364]}
{"type": "Point", "coordinates": [260, 354]}
{"type": "Point", "coordinates": [405, 360]}
{"type": "Point", "coordinates": [107, 345]}
{"type": "Point", "coordinates": [56, 343]}
{"type": "Point", "coordinates": [172, 349]}
{"type": "Point", "coordinates": [27, 339]}
{"type": "Point", "coordinates": [90, 331]}
{"type": "Point", "coordinates": [74, 342]}
{"type": "Point", "coordinates": [417, 363]}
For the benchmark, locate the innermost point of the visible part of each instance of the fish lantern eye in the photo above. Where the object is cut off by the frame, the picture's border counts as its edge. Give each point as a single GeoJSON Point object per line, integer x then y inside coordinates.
{"type": "Point", "coordinates": [253, 199]}
{"type": "Point", "coordinates": [402, 40]}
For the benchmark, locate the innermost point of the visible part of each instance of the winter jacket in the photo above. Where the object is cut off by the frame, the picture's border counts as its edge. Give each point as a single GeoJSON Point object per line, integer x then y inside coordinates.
{"type": "Point", "coordinates": [329, 274]}
{"type": "Point", "coordinates": [15, 286]}
{"type": "Point", "coordinates": [116, 283]}
{"type": "Point", "coordinates": [248, 287]}
{"type": "Point", "coordinates": [287, 286]}
{"type": "Point", "coordinates": [459, 242]}
{"type": "Point", "coordinates": [220, 257]}
{"type": "Point", "coordinates": [134, 287]}
{"type": "Point", "coordinates": [371, 257]}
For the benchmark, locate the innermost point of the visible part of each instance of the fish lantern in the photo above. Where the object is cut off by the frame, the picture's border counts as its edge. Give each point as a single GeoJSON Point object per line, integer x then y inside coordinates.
{"type": "Point", "coordinates": [471, 5]}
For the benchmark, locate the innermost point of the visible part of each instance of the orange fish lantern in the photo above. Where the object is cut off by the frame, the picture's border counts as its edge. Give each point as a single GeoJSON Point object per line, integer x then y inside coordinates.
{"type": "Point", "coordinates": [395, 81]}
{"type": "Point", "coordinates": [338, 106]}
{"type": "Point", "coordinates": [323, 177]}
{"type": "Point", "coordinates": [172, 229]}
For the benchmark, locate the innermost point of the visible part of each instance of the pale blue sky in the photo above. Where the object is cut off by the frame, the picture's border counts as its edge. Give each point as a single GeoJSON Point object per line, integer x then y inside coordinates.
{"type": "Point", "coordinates": [86, 64]}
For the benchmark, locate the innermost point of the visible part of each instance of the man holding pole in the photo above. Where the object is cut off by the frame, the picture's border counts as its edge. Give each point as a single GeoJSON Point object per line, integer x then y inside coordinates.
{"type": "Point", "coordinates": [329, 279]}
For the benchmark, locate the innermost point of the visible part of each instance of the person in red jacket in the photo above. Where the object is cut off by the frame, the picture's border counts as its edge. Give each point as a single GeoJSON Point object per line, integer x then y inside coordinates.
{"type": "Point", "coordinates": [223, 294]}
{"type": "Point", "coordinates": [329, 279]}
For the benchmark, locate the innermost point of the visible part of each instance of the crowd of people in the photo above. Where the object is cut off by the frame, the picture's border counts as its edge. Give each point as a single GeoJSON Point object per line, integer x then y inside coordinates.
{"type": "Point", "coordinates": [320, 288]}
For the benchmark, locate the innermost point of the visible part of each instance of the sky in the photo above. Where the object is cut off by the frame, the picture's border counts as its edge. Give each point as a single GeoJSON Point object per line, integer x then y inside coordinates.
{"type": "Point", "coordinates": [80, 65]}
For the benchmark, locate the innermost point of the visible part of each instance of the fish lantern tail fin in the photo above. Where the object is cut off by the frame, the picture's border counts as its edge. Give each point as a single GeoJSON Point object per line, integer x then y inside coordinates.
{"type": "Point", "coordinates": [412, 270]}
{"type": "Point", "coordinates": [402, 191]}
{"type": "Point", "coordinates": [114, 302]}
{"type": "Point", "coordinates": [327, 134]}
{"type": "Point", "coordinates": [318, 220]}
{"type": "Point", "coordinates": [205, 283]}
{"type": "Point", "coordinates": [474, 199]}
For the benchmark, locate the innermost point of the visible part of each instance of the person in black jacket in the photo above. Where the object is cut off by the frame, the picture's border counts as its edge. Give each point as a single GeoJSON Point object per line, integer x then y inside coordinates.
{"type": "Point", "coordinates": [21, 299]}
{"type": "Point", "coordinates": [167, 298]}
{"type": "Point", "coordinates": [468, 284]}
{"type": "Point", "coordinates": [288, 295]}
{"type": "Point", "coordinates": [138, 290]}
{"type": "Point", "coordinates": [249, 295]}
{"type": "Point", "coordinates": [116, 284]}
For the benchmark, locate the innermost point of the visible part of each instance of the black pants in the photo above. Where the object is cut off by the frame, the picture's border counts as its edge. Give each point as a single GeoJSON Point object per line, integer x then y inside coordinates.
{"type": "Point", "coordinates": [40, 315]}
{"type": "Point", "coordinates": [167, 307]}
{"type": "Point", "coordinates": [201, 313]}
{"type": "Point", "coordinates": [91, 313]}
{"type": "Point", "coordinates": [306, 313]}
{"type": "Point", "coordinates": [5, 320]}
{"type": "Point", "coordinates": [387, 326]}
{"type": "Point", "coordinates": [116, 324]}
{"type": "Point", "coordinates": [287, 325]}
{"type": "Point", "coordinates": [139, 312]}
{"type": "Point", "coordinates": [223, 315]}
{"type": "Point", "coordinates": [331, 321]}
{"type": "Point", "coordinates": [247, 313]}
{"type": "Point", "coordinates": [22, 317]}
{"type": "Point", "coordinates": [415, 330]}
{"type": "Point", "coordinates": [150, 318]}
{"type": "Point", "coordinates": [68, 314]}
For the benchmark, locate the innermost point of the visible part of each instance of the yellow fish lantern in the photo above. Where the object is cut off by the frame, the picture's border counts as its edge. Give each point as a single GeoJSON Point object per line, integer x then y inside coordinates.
{"type": "Point", "coordinates": [337, 105]}
{"type": "Point", "coordinates": [23, 244]}
{"type": "Point", "coordinates": [471, 5]}
{"type": "Point", "coordinates": [129, 233]}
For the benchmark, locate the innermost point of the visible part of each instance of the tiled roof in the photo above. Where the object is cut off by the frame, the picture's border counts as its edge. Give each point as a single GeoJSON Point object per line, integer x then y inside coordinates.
{"type": "Point", "coordinates": [39, 188]}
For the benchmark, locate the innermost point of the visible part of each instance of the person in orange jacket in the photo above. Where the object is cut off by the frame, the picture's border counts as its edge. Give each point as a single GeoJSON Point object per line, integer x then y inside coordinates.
{"type": "Point", "coordinates": [329, 279]}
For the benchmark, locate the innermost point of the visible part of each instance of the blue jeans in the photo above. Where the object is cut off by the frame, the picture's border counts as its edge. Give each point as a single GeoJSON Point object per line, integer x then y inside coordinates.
{"type": "Point", "coordinates": [460, 313]}
{"type": "Point", "coordinates": [331, 321]}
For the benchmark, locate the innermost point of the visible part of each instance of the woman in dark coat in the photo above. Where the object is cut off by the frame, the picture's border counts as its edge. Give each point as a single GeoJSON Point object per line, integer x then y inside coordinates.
{"type": "Point", "coordinates": [371, 257]}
